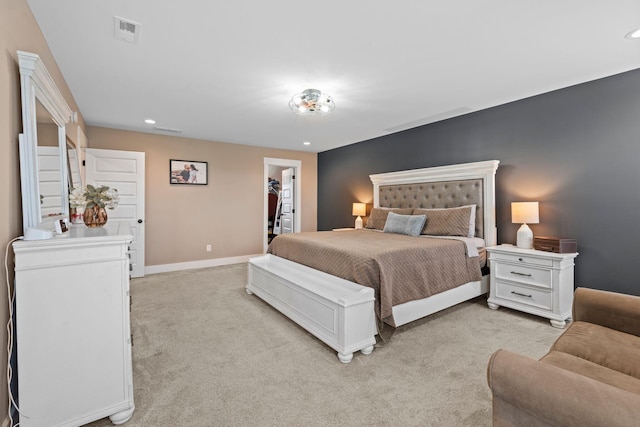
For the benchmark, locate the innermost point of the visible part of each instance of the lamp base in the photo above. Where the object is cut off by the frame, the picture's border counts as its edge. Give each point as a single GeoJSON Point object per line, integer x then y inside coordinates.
{"type": "Point", "coordinates": [525, 237]}
{"type": "Point", "coordinates": [358, 223]}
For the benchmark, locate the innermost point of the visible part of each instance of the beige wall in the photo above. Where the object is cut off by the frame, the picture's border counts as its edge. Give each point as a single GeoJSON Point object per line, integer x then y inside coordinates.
{"type": "Point", "coordinates": [18, 31]}
{"type": "Point", "coordinates": [228, 213]}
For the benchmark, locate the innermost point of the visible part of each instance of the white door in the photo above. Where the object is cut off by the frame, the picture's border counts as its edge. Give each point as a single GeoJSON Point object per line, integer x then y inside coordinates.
{"type": "Point", "coordinates": [288, 203]}
{"type": "Point", "coordinates": [124, 171]}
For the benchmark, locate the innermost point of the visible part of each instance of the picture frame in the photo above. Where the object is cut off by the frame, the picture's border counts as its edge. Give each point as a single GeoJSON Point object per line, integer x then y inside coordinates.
{"type": "Point", "coordinates": [188, 172]}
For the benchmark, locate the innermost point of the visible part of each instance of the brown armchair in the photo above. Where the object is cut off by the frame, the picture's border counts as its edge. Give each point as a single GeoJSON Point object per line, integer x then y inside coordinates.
{"type": "Point", "coordinates": [589, 377]}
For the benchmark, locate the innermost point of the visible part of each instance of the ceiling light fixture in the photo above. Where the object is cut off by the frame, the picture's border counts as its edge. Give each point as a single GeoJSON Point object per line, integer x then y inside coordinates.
{"type": "Point", "coordinates": [312, 102]}
{"type": "Point", "coordinates": [635, 34]}
{"type": "Point", "coordinates": [150, 121]}
{"type": "Point", "coordinates": [306, 143]}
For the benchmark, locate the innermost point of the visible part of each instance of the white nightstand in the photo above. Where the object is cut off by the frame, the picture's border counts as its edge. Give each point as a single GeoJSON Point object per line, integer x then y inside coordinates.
{"type": "Point", "coordinates": [532, 281]}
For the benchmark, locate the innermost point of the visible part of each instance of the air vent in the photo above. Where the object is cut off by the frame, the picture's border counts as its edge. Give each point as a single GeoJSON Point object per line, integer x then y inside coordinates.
{"type": "Point", "coordinates": [126, 30]}
{"type": "Point", "coordinates": [170, 130]}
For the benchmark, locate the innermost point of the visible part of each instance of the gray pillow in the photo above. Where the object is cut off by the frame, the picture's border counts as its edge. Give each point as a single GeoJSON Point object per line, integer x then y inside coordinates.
{"type": "Point", "coordinates": [378, 216]}
{"type": "Point", "coordinates": [411, 225]}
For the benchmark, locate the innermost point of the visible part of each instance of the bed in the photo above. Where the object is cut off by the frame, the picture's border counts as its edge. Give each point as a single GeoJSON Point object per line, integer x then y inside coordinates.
{"type": "Point", "coordinates": [346, 315]}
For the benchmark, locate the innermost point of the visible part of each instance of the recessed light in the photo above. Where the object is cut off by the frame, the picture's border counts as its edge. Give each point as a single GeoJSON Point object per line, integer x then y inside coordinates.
{"type": "Point", "coordinates": [306, 143]}
{"type": "Point", "coordinates": [150, 121]}
{"type": "Point", "coordinates": [635, 34]}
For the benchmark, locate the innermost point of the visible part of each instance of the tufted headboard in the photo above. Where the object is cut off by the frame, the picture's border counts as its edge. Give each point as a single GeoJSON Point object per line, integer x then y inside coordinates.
{"type": "Point", "coordinates": [443, 187]}
{"type": "Point", "coordinates": [442, 194]}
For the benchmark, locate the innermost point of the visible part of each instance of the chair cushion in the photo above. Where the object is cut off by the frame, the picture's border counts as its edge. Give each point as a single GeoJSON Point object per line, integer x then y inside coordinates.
{"type": "Point", "coordinates": [602, 346]}
{"type": "Point", "coordinates": [592, 370]}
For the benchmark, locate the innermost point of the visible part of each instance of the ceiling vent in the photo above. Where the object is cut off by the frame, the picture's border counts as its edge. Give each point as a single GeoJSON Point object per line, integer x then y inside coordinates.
{"type": "Point", "coordinates": [126, 30]}
{"type": "Point", "coordinates": [170, 130]}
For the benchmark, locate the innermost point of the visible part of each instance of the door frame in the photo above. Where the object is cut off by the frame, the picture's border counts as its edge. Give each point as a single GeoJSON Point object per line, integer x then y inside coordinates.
{"type": "Point", "coordinates": [287, 163]}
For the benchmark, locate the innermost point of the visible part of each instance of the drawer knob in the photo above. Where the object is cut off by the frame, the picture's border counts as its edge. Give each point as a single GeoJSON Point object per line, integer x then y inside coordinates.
{"type": "Point", "coordinates": [522, 295]}
{"type": "Point", "coordinates": [521, 274]}
{"type": "Point", "coordinates": [520, 259]}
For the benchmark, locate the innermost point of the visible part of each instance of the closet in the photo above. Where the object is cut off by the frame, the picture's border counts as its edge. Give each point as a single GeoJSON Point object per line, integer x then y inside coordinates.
{"type": "Point", "coordinates": [273, 194]}
{"type": "Point", "coordinates": [280, 181]}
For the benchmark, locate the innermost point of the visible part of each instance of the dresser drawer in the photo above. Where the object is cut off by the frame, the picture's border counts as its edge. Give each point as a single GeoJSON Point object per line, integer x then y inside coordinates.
{"type": "Point", "coordinates": [523, 274]}
{"type": "Point", "coordinates": [522, 259]}
{"type": "Point", "coordinates": [523, 295]}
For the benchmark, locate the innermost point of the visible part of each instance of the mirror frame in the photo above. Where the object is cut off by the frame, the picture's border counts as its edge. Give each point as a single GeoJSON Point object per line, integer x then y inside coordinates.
{"type": "Point", "coordinates": [36, 83]}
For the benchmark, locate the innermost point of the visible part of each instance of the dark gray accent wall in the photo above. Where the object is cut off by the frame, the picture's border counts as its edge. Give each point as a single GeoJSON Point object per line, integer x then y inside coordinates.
{"type": "Point", "coordinates": [575, 150]}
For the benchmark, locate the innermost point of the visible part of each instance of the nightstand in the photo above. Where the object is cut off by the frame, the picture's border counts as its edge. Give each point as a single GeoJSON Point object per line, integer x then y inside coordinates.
{"type": "Point", "coordinates": [532, 281]}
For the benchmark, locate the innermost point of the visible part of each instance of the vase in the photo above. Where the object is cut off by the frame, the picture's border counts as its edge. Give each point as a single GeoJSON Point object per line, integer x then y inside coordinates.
{"type": "Point", "coordinates": [95, 216]}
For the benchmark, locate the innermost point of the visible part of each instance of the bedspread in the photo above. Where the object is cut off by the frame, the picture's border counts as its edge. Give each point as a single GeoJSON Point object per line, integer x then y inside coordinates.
{"type": "Point", "coordinates": [399, 268]}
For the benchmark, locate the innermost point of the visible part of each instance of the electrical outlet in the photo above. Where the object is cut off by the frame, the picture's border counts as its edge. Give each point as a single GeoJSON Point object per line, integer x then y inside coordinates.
{"type": "Point", "coordinates": [208, 248]}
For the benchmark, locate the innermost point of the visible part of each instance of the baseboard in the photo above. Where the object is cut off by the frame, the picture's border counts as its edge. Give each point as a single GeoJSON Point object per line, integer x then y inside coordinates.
{"type": "Point", "coordinates": [191, 265]}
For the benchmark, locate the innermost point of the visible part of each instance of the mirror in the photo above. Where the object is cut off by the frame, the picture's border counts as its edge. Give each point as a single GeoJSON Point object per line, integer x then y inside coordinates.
{"type": "Point", "coordinates": [44, 168]}
{"type": "Point", "coordinates": [73, 160]}
{"type": "Point", "coordinates": [49, 163]}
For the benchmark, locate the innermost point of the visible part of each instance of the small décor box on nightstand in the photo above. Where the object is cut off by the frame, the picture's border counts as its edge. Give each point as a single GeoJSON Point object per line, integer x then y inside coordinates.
{"type": "Point", "coordinates": [555, 244]}
{"type": "Point", "coordinates": [532, 281]}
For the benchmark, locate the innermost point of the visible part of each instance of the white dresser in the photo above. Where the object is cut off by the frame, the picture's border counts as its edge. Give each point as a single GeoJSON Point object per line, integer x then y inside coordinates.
{"type": "Point", "coordinates": [532, 281]}
{"type": "Point", "coordinates": [72, 327]}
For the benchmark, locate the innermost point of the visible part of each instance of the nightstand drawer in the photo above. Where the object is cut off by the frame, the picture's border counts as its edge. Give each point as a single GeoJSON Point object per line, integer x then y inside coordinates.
{"type": "Point", "coordinates": [520, 294]}
{"type": "Point", "coordinates": [522, 259]}
{"type": "Point", "coordinates": [523, 274]}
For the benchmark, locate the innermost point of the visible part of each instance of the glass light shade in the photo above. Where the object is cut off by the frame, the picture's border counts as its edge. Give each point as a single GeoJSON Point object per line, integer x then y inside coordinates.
{"type": "Point", "coordinates": [525, 213]}
{"type": "Point", "coordinates": [312, 101]}
{"type": "Point", "coordinates": [635, 34]}
{"type": "Point", "coordinates": [359, 209]}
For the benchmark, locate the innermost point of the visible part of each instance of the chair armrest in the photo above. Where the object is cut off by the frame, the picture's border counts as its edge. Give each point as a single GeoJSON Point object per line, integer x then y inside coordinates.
{"type": "Point", "coordinates": [609, 309]}
{"type": "Point", "coordinates": [528, 392]}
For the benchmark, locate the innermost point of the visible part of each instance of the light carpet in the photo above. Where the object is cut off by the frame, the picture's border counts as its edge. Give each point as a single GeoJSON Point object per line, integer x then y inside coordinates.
{"type": "Point", "coordinates": [208, 354]}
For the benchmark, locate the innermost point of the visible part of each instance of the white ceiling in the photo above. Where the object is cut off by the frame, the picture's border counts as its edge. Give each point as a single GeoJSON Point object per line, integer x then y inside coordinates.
{"type": "Point", "coordinates": [225, 70]}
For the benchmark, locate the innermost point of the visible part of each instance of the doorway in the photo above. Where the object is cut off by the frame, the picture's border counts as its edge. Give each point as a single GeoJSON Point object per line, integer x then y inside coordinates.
{"type": "Point", "coordinates": [277, 166]}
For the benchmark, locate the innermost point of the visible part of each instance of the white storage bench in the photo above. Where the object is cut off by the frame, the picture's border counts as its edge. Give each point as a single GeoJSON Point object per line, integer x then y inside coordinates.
{"type": "Point", "coordinates": [337, 311]}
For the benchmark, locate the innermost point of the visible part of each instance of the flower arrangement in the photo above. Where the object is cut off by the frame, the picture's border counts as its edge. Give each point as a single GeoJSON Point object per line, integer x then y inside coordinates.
{"type": "Point", "coordinates": [93, 201]}
{"type": "Point", "coordinates": [90, 196]}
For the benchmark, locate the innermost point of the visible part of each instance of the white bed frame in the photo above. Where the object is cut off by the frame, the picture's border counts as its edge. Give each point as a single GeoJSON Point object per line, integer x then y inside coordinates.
{"type": "Point", "coordinates": [340, 312]}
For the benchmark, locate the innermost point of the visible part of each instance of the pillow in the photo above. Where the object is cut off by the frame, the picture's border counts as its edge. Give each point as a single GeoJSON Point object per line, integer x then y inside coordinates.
{"type": "Point", "coordinates": [460, 221]}
{"type": "Point", "coordinates": [378, 216]}
{"type": "Point", "coordinates": [411, 225]}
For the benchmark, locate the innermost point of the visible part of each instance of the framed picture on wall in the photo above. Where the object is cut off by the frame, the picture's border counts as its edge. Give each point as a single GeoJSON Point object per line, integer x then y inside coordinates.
{"type": "Point", "coordinates": [188, 172]}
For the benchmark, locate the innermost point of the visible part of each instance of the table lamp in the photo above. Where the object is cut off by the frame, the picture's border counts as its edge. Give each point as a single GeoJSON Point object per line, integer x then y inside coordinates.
{"type": "Point", "coordinates": [359, 210]}
{"type": "Point", "coordinates": [524, 213]}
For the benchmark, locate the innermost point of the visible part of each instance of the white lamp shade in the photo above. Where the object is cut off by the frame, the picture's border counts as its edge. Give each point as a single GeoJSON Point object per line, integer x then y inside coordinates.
{"type": "Point", "coordinates": [525, 213]}
{"type": "Point", "coordinates": [359, 209]}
